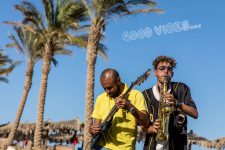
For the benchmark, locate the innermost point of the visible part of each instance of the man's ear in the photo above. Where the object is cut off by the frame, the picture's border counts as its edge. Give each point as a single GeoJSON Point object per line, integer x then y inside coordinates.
{"type": "Point", "coordinates": [118, 80]}
{"type": "Point", "coordinates": [155, 72]}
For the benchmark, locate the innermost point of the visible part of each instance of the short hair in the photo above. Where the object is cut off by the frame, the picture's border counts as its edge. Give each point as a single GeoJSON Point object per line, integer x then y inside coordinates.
{"type": "Point", "coordinates": [114, 72]}
{"type": "Point", "coordinates": [166, 59]}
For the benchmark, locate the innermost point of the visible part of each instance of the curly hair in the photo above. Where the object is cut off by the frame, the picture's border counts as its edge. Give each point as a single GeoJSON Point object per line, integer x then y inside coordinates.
{"type": "Point", "coordinates": [166, 59]}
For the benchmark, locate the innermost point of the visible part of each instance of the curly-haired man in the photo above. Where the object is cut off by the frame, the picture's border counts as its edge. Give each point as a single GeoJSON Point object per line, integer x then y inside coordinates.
{"type": "Point", "coordinates": [179, 97]}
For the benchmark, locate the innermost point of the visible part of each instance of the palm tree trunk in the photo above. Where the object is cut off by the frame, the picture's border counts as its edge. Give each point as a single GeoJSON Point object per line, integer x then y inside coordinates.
{"type": "Point", "coordinates": [26, 89]}
{"type": "Point", "coordinates": [92, 49]}
{"type": "Point", "coordinates": [46, 67]}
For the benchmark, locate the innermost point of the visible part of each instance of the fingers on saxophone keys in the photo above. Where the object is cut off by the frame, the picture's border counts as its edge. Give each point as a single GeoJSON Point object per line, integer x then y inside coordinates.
{"type": "Point", "coordinates": [168, 97]}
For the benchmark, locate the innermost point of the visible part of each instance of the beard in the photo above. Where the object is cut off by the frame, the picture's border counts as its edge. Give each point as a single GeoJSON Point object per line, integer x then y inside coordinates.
{"type": "Point", "coordinates": [116, 93]}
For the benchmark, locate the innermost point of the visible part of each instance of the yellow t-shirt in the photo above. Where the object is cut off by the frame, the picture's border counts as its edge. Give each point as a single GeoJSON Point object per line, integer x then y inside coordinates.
{"type": "Point", "coordinates": [122, 134]}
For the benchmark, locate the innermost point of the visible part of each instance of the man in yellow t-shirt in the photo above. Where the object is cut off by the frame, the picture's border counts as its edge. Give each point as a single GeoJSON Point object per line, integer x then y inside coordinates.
{"type": "Point", "coordinates": [122, 134]}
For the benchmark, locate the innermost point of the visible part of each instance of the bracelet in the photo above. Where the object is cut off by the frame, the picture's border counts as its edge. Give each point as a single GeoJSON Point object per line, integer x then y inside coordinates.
{"type": "Point", "coordinates": [132, 110]}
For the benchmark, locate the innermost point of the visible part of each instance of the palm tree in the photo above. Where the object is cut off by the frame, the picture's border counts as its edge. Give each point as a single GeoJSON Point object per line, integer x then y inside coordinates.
{"type": "Point", "coordinates": [6, 66]}
{"type": "Point", "coordinates": [100, 12]}
{"type": "Point", "coordinates": [61, 17]}
{"type": "Point", "coordinates": [27, 45]}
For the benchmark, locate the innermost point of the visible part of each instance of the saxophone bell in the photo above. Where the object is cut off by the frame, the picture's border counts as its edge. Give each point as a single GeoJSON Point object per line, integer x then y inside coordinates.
{"type": "Point", "coordinates": [180, 118]}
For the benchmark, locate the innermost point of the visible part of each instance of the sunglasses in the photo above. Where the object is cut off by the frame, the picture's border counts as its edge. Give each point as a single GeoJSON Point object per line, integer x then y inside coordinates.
{"type": "Point", "coordinates": [162, 68]}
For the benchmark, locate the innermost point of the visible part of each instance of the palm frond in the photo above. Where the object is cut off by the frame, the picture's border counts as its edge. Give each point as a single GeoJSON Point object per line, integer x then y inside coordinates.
{"type": "Point", "coordinates": [140, 2]}
{"type": "Point", "coordinates": [87, 5]}
{"type": "Point", "coordinates": [55, 62]}
{"type": "Point", "coordinates": [70, 14]}
{"type": "Point", "coordinates": [24, 26]}
{"type": "Point", "coordinates": [121, 8]}
{"type": "Point", "coordinates": [4, 59]}
{"type": "Point", "coordinates": [27, 43]}
{"type": "Point", "coordinates": [102, 49]}
{"type": "Point", "coordinates": [147, 10]}
{"type": "Point", "coordinates": [79, 41]}
{"type": "Point", "coordinates": [20, 35]}
{"type": "Point", "coordinates": [3, 79]}
{"type": "Point", "coordinates": [118, 10]}
{"type": "Point", "coordinates": [83, 28]}
{"type": "Point", "coordinates": [49, 11]}
{"type": "Point", "coordinates": [15, 44]}
{"type": "Point", "coordinates": [6, 71]}
{"type": "Point", "coordinates": [30, 13]}
{"type": "Point", "coordinates": [103, 7]}
{"type": "Point", "coordinates": [63, 52]}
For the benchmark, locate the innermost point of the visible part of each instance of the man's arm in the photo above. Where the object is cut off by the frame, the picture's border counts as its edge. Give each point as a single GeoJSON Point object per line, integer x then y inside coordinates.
{"type": "Point", "coordinates": [94, 129]}
{"type": "Point", "coordinates": [189, 110]}
{"type": "Point", "coordinates": [152, 129]}
{"type": "Point", "coordinates": [141, 116]}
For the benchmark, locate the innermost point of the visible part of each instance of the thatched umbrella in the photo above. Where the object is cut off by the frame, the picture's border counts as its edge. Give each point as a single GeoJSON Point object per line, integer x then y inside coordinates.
{"type": "Point", "coordinates": [192, 139]}
{"type": "Point", "coordinates": [64, 126]}
{"type": "Point", "coordinates": [219, 143]}
{"type": "Point", "coordinates": [50, 129]}
{"type": "Point", "coordinates": [198, 140]}
{"type": "Point", "coordinates": [4, 130]}
{"type": "Point", "coordinates": [2, 125]}
{"type": "Point", "coordinates": [24, 130]}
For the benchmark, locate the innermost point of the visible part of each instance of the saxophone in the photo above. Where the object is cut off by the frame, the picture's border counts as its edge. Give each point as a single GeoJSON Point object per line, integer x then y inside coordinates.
{"type": "Point", "coordinates": [164, 112]}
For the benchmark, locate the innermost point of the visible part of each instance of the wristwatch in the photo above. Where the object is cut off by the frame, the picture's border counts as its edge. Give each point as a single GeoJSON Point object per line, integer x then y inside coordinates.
{"type": "Point", "coordinates": [178, 104]}
{"type": "Point", "coordinates": [132, 110]}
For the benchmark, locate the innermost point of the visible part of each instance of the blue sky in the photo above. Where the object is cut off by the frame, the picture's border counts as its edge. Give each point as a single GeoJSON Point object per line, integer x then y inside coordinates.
{"type": "Point", "coordinates": [197, 43]}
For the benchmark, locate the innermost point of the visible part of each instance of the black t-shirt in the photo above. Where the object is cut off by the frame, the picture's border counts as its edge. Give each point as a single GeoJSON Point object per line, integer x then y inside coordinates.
{"type": "Point", "coordinates": [177, 132]}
